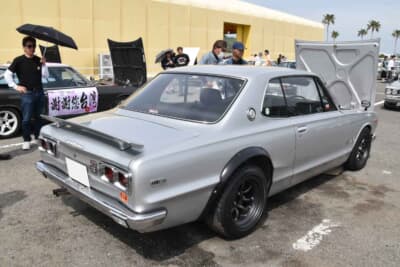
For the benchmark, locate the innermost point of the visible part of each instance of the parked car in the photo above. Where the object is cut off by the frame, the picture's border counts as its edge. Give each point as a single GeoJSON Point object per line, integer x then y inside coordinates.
{"type": "Point", "coordinates": [68, 94]}
{"type": "Point", "coordinates": [392, 95]}
{"type": "Point", "coordinates": [214, 142]}
{"type": "Point", "coordinates": [288, 64]}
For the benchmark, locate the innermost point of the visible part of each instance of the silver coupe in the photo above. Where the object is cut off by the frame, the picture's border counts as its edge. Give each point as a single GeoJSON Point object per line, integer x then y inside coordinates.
{"type": "Point", "coordinates": [214, 142]}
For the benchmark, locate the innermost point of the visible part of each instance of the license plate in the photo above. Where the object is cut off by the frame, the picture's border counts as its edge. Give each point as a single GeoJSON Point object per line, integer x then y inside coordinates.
{"type": "Point", "coordinates": [77, 172]}
{"type": "Point", "coordinates": [398, 104]}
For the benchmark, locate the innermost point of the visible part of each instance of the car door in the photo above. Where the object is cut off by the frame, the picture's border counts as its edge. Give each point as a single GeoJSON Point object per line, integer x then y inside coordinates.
{"type": "Point", "coordinates": [320, 133]}
{"type": "Point", "coordinates": [278, 135]}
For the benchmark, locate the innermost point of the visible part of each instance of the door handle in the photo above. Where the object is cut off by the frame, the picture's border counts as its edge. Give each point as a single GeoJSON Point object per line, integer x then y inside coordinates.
{"type": "Point", "coordinates": [302, 129]}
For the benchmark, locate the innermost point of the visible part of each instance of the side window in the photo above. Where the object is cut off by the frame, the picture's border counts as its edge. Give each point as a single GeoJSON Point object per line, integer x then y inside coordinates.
{"type": "Point", "coordinates": [302, 95]}
{"type": "Point", "coordinates": [274, 101]}
{"type": "Point", "coordinates": [326, 100]}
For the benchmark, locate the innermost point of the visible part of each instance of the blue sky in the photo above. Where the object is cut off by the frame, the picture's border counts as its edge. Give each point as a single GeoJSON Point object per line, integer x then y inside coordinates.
{"type": "Point", "coordinates": [351, 15]}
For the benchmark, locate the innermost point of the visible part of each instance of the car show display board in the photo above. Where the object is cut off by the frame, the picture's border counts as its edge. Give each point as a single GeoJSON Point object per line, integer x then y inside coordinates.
{"type": "Point", "coordinates": [73, 101]}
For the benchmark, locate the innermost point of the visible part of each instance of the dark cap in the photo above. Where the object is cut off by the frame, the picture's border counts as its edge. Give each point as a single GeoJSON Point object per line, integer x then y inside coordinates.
{"type": "Point", "coordinates": [238, 46]}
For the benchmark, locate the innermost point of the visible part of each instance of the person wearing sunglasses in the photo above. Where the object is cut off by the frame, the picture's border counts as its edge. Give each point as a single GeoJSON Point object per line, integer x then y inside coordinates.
{"type": "Point", "coordinates": [30, 69]}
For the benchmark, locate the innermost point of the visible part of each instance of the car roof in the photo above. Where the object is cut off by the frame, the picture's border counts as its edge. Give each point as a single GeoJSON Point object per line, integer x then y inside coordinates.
{"type": "Point", "coordinates": [244, 72]}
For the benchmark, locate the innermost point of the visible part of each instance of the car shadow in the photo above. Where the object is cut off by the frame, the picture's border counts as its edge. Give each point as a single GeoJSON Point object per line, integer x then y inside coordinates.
{"type": "Point", "coordinates": [166, 244]}
{"type": "Point", "coordinates": [19, 152]}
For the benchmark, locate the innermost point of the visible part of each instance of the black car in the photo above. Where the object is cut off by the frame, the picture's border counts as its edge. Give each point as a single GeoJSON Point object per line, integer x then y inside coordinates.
{"type": "Point", "coordinates": [68, 94]}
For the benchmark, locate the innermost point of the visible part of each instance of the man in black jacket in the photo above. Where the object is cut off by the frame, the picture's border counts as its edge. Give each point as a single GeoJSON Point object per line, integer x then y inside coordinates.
{"type": "Point", "coordinates": [181, 59]}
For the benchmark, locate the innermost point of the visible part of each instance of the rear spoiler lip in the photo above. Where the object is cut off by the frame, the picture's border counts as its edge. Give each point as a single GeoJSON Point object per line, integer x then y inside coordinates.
{"type": "Point", "coordinates": [80, 129]}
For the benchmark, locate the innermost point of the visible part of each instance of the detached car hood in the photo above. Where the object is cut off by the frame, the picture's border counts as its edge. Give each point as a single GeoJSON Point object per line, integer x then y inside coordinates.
{"type": "Point", "coordinates": [140, 132]}
{"type": "Point", "coordinates": [347, 68]}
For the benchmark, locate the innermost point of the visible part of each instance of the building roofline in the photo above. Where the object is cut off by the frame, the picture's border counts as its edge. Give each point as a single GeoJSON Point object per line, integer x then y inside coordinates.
{"type": "Point", "coordinates": [244, 8]}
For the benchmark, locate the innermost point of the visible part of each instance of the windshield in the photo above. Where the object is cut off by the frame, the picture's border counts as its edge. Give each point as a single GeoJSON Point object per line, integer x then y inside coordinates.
{"type": "Point", "coordinates": [201, 98]}
{"type": "Point", "coordinates": [64, 77]}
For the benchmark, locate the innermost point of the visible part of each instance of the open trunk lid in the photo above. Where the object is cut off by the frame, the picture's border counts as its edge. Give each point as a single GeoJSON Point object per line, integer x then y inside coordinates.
{"type": "Point", "coordinates": [347, 68]}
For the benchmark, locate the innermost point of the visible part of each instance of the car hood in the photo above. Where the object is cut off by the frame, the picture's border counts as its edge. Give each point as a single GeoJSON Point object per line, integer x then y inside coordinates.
{"type": "Point", "coordinates": [129, 62]}
{"type": "Point", "coordinates": [149, 134]}
{"type": "Point", "coordinates": [347, 68]}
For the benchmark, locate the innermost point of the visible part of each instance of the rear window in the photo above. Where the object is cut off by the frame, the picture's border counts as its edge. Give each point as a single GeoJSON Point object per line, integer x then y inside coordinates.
{"type": "Point", "coordinates": [202, 98]}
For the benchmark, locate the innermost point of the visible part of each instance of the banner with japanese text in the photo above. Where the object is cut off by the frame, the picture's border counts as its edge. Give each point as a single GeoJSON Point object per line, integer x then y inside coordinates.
{"type": "Point", "coordinates": [73, 101]}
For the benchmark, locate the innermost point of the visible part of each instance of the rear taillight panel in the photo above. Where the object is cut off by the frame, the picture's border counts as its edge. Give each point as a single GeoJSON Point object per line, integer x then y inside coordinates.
{"type": "Point", "coordinates": [115, 176]}
{"type": "Point", "coordinates": [48, 145]}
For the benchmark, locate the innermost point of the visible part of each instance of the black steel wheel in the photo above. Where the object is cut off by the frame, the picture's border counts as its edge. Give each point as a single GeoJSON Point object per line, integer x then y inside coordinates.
{"type": "Point", "coordinates": [242, 204]}
{"type": "Point", "coordinates": [361, 151]}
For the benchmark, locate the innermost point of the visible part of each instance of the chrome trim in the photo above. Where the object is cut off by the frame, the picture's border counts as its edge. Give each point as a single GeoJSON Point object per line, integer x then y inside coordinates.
{"type": "Point", "coordinates": [119, 213]}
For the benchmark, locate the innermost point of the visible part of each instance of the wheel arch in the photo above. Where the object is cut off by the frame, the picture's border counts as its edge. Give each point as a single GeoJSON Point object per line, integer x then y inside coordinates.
{"type": "Point", "coordinates": [251, 155]}
{"type": "Point", "coordinates": [12, 107]}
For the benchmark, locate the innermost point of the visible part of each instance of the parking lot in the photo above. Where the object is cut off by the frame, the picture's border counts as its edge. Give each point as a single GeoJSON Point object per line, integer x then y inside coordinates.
{"type": "Point", "coordinates": [342, 219]}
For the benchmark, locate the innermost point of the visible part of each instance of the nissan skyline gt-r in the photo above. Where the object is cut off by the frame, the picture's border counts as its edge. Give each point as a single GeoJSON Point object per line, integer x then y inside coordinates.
{"type": "Point", "coordinates": [215, 142]}
{"type": "Point", "coordinates": [67, 92]}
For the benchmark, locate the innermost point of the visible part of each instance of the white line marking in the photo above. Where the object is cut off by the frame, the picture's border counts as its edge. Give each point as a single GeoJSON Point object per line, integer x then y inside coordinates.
{"type": "Point", "coordinates": [386, 172]}
{"type": "Point", "coordinates": [11, 145]}
{"type": "Point", "coordinates": [314, 236]}
{"type": "Point", "coordinates": [379, 103]}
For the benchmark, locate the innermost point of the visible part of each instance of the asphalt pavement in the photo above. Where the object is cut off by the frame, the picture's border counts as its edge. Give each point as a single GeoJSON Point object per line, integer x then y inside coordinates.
{"type": "Point", "coordinates": [342, 219]}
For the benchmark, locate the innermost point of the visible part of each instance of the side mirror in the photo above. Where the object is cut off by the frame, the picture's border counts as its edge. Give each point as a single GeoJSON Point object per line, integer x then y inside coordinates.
{"type": "Point", "coordinates": [365, 104]}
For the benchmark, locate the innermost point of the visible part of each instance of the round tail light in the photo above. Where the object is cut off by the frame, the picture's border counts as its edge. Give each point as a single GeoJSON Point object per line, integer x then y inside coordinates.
{"type": "Point", "coordinates": [123, 180]}
{"type": "Point", "coordinates": [109, 173]}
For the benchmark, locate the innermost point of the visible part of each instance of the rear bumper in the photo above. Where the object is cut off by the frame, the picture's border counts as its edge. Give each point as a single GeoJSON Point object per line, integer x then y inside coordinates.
{"type": "Point", "coordinates": [141, 222]}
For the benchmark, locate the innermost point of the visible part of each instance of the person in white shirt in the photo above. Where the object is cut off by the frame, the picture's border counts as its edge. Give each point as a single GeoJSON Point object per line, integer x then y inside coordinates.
{"type": "Point", "coordinates": [268, 61]}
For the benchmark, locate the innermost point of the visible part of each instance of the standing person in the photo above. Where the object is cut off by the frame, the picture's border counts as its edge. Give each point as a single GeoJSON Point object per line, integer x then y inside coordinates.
{"type": "Point", "coordinates": [279, 60]}
{"type": "Point", "coordinates": [237, 55]}
{"type": "Point", "coordinates": [215, 56]}
{"type": "Point", "coordinates": [258, 59]}
{"type": "Point", "coordinates": [168, 61]}
{"type": "Point", "coordinates": [390, 68]}
{"type": "Point", "coordinates": [181, 59]}
{"type": "Point", "coordinates": [30, 70]}
{"type": "Point", "coordinates": [268, 61]}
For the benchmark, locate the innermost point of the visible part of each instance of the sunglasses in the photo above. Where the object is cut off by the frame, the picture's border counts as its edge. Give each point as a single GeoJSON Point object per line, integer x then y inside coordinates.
{"type": "Point", "coordinates": [30, 46]}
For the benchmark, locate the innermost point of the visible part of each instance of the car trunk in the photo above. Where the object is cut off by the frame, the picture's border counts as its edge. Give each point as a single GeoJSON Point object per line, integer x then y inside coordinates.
{"type": "Point", "coordinates": [347, 68]}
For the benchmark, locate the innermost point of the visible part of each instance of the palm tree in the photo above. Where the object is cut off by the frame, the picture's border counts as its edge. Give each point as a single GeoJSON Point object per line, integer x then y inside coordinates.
{"type": "Point", "coordinates": [361, 33]}
{"type": "Point", "coordinates": [328, 20]}
{"type": "Point", "coordinates": [335, 35]}
{"type": "Point", "coordinates": [374, 26]}
{"type": "Point", "coordinates": [396, 36]}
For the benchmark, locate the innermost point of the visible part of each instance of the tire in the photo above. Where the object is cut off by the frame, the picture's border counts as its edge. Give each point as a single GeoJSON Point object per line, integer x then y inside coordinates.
{"type": "Point", "coordinates": [242, 204]}
{"type": "Point", "coordinates": [10, 122]}
{"type": "Point", "coordinates": [361, 151]}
